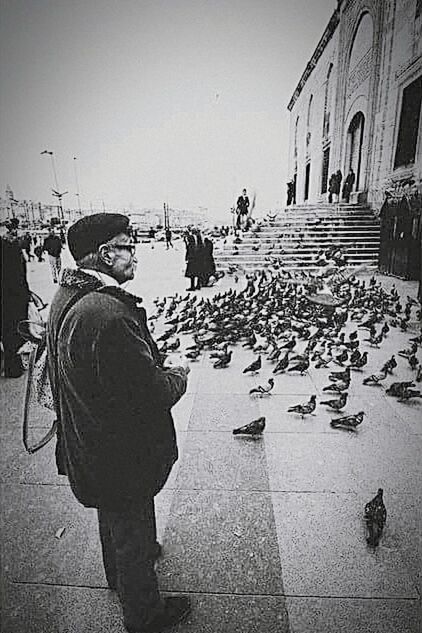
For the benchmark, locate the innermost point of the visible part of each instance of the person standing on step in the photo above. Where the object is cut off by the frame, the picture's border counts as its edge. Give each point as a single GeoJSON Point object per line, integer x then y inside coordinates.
{"type": "Point", "coordinates": [348, 185]}
{"type": "Point", "coordinates": [242, 208]}
{"type": "Point", "coordinates": [116, 440]}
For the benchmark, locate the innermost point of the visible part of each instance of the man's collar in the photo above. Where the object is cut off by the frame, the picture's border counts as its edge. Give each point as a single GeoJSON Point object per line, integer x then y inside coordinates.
{"type": "Point", "coordinates": [105, 279]}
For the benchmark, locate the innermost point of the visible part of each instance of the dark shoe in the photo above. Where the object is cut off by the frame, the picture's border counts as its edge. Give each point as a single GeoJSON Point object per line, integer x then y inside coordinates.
{"type": "Point", "coordinates": [176, 608]}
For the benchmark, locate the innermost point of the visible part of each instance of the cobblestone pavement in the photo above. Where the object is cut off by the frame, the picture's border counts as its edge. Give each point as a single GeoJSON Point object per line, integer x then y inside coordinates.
{"type": "Point", "coordinates": [266, 536]}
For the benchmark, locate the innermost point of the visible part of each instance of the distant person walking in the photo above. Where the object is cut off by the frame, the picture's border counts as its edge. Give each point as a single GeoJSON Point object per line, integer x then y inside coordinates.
{"type": "Point", "coordinates": [26, 245]}
{"type": "Point", "coordinates": [242, 208]}
{"type": "Point", "coordinates": [348, 185]}
{"type": "Point", "coordinates": [15, 296]}
{"type": "Point", "coordinates": [168, 238]}
{"type": "Point", "coordinates": [53, 246]}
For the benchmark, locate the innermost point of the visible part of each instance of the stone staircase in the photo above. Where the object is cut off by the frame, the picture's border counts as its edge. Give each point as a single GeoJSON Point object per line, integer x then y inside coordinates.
{"type": "Point", "coordinates": [294, 238]}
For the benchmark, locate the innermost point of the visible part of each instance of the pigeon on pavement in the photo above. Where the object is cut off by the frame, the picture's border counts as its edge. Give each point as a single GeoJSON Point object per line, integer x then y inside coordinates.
{"type": "Point", "coordinates": [254, 428]}
{"type": "Point", "coordinates": [337, 404]}
{"type": "Point", "coordinates": [260, 390]}
{"type": "Point", "coordinates": [375, 517]}
{"type": "Point", "coordinates": [254, 366]}
{"type": "Point", "coordinates": [348, 421]}
{"type": "Point", "coordinates": [304, 409]}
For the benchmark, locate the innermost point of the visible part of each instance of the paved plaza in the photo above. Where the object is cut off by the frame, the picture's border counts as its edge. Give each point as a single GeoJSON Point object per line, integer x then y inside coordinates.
{"type": "Point", "coordinates": [265, 535]}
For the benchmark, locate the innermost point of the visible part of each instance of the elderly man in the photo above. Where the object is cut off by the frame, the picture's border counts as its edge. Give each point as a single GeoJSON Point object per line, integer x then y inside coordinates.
{"type": "Point", "coordinates": [116, 438]}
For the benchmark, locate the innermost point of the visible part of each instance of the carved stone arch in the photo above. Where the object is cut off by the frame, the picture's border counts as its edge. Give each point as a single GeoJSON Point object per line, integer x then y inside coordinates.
{"type": "Point", "coordinates": [352, 15]}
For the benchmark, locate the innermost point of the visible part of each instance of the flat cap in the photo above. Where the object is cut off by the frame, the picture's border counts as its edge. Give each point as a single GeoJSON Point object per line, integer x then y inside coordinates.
{"type": "Point", "coordinates": [88, 233]}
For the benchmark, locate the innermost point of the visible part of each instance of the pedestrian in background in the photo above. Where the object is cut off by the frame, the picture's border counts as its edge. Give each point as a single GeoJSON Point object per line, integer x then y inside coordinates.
{"type": "Point", "coordinates": [26, 242]}
{"type": "Point", "coordinates": [168, 238]}
{"type": "Point", "coordinates": [15, 297]}
{"type": "Point", "coordinates": [53, 246]}
{"type": "Point", "coordinates": [116, 440]}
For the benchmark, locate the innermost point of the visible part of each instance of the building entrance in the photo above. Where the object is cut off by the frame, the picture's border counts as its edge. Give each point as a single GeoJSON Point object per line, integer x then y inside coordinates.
{"type": "Point", "coordinates": [354, 146]}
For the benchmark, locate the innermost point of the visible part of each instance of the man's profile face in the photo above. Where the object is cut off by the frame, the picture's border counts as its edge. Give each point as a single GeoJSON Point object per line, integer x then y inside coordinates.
{"type": "Point", "coordinates": [124, 259]}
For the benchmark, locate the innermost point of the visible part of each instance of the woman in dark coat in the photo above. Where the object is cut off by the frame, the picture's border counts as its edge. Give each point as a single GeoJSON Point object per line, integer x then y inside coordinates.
{"type": "Point", "coordinates": [193, 269]}
{"type": "Point", "coordinates": [208, 264]}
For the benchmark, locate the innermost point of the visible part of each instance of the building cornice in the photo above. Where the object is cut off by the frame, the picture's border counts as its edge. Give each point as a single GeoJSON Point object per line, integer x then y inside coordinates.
{"type": "Point", "coordinates": [326, 37]}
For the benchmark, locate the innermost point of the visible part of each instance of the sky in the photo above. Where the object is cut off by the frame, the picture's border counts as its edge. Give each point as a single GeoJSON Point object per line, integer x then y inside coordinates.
{"type": "Point", "coordinates": [177, 101]}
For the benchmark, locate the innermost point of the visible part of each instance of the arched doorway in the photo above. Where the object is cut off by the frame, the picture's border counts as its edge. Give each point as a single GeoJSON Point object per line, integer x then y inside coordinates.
{"type": "Point", "coordinates": [354, 146]}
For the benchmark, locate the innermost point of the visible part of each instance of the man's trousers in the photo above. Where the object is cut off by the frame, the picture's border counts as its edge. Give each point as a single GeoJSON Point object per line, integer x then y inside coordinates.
{"type": "Point", "coordinates": [56, 266]}
{"type": "Point", "coordinates": [129, 544]}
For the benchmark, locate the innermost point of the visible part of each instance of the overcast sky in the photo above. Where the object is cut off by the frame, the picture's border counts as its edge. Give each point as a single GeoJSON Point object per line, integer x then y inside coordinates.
{"type": "Point", "coordinates": [181, 101]}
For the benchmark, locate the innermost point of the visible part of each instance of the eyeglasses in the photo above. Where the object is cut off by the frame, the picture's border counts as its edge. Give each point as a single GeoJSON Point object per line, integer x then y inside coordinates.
{"type": "Point", "coordinates": [128, 247]}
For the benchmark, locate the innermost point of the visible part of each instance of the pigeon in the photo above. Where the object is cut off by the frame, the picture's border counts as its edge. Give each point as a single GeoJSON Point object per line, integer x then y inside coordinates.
{"type": "Point", "coordinates": [338, 387]}
{"type": "Point", "coordinates": [408, 394]}
{"type": "Point", "coordinates": [398, 388]}
{"type": "Point", "coordinates": [223, 361]}
{"type": "Point", "coordinates": [355, 356]}
{"type": "Point", "coordinates": [413, 361]}
{"type": "Point", "coordinates": [375, 340]}
{"type": "Point", "coordinates": [348, 421]}
{"type": "Point", "coordinates": [172, 347]}
{"type": "Point", "coordinates": [290, 344]}
{"type": "Point", "coordinates": [254, 366]}
{"type": "Point", "coordinates": [254, 428]}
{"type": "Point", "coordinates": [263, 390]}
{"type": "Point", "coordinates": [282, 364]}
{"type": "Point", "coordinates": [375, 518]}
{"type": "Point", "coordinates": [219, 353]}
{"type": "Point", "coordinates": [193, 354]}
{"type": "Point", "coordinates": [340, 375]}
{"type": "Point", "coordinates": [375, 379]}
{"type": "Point", "coordinates": [341, 358]}
{"type": "Point", "coordinates": [304, 409]}
{"type": "Point", "coordinates": [302, 367]}
{"type": "Point", "coordinates": [361, 362]}
{"type": "Point", "coordinates": [406, 353]}
{"type": "Point", "coordinates": [337, 404]}
{"type": "Point", "coordinates": [389, 365]}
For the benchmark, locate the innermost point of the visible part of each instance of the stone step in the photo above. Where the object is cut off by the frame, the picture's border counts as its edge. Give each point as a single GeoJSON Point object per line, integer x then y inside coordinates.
{"type": "Point", "coordinates": [321, 235]}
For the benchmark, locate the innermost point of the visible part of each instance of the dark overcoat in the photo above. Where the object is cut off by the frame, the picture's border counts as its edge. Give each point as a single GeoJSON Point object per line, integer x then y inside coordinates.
{"type": "Point", "coordinates": [116, 438]}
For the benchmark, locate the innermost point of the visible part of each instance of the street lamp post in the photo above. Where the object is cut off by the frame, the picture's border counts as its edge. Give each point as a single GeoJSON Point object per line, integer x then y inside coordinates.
{"type": "Point", "coordinates": [55, 191]}
{"type": "Point", "coordinates": [59, 197]}
{"type": "Point", "coordinates": [77, 186]}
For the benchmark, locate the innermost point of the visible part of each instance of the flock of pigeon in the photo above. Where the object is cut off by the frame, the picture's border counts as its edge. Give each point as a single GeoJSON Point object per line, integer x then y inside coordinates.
{"type": "Point", "coordinates": [273, 315]}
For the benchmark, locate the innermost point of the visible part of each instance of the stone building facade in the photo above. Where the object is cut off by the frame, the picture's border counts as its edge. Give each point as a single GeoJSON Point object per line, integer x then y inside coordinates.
{"type": "Point", "coordinates": [358, 103]}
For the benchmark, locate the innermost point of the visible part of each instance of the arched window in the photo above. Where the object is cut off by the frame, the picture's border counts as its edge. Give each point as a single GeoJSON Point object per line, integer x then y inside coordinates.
{"type": "Point", "coordinates": [296, 134]}
{"type": "Point", "coordinates": [308, 122]}
{"type": "Point", "coordinates": [327, 104]}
